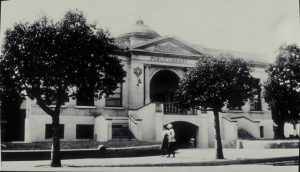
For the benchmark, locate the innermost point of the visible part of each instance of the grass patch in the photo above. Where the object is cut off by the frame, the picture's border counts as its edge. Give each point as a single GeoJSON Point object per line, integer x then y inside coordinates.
{"type": "Point", "coordinates": [75, 144]}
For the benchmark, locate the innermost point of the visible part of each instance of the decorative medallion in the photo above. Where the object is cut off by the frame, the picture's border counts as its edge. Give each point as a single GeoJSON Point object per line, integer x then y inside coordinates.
{"type": "Point", "coordinates": [137, 71]}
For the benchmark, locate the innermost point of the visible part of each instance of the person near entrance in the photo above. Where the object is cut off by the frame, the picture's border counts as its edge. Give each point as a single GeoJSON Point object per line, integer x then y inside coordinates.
{"type": "Point", "coordinates": [172, 141]}
{"type": "Point", "coordinates": [165, 142]}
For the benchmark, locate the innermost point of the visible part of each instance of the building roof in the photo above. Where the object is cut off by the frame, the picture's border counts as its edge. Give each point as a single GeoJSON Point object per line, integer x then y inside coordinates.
{"type": "Point", "coordinates": [250, 57]}
{"type": "Point", "coordinates": [140, 30]}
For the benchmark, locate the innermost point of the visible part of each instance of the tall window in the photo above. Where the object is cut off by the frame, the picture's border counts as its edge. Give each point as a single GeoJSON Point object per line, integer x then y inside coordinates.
{"type": "Point", "coordinates": [115, 100]}
{"type": "Point", "coordinates": [85, 97]}
{"type": "Point", "coordinates": [255, 102]}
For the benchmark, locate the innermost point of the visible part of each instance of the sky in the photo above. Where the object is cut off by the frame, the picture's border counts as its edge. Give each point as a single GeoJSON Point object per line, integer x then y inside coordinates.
{"type": "Point", "coordinates": [257, 26]}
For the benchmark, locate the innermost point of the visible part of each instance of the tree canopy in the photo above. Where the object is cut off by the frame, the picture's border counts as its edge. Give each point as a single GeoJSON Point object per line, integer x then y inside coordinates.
{"type": "Point", "coordinates": [216, 82]}
{"type": "Point", "coordinates": [213, 83]}
{"type": "Point", "coordinates": [282, 89]}
{"type": "Point", "coordinates": [50, 61]}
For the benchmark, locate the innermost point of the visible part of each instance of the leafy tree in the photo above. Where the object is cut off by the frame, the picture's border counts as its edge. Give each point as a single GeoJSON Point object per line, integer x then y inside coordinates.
{"type": "Point", "coordinates": [212, 84]}
{"type": "Point", "coordinates": [282, 89]}
{"type": "Point", "coordinates": [9, 110]}
{"type": "Point", "coordinates": [10, 106]}
{"type": "Point", "coordinates": [49, 59]}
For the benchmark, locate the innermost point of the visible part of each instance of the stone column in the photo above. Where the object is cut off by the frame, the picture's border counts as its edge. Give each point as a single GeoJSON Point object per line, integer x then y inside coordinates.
{"type": "Point", "coordinates": [147, 83]}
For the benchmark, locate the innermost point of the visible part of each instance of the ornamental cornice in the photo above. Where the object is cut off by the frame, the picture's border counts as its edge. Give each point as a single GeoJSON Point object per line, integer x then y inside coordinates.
{"type": "Point", "coordinates": [160, 54]}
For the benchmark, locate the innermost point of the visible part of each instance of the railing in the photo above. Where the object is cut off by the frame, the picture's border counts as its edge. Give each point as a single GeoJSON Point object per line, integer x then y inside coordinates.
{"type": "Point", "coordinates": [158, 107]}
{"type": "Point", "coordinates": [170, 108]}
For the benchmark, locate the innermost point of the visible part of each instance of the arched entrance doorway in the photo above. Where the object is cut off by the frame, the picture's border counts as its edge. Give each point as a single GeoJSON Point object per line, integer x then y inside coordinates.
{"type": "Point", "coordinates": [184, 133]}
{"type": "Point", "coordinates": [163, 86]}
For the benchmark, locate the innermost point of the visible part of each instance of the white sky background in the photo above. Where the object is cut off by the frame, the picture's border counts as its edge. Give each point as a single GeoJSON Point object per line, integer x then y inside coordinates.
{"type": "Point", "coordinates": [257, 26]}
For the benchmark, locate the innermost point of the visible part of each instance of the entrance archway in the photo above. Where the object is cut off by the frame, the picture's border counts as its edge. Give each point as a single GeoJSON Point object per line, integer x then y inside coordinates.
{"type": "Point", "coordinates": [163, 86]}
{"type": "Point", "coordinates": [184, 133]}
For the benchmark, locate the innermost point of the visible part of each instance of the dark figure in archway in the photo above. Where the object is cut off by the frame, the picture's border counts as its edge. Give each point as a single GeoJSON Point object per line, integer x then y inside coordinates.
{"type": "Point", "coordinates": [185, 132]}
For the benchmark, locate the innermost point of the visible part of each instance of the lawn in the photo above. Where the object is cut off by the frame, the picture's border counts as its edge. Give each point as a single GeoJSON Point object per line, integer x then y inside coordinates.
{"type": "Point", "coordinates": [74, 144]}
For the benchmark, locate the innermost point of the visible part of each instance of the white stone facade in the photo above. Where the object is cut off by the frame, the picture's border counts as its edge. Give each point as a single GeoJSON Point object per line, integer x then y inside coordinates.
{"type": "Point", "coordinates": [153, 56]}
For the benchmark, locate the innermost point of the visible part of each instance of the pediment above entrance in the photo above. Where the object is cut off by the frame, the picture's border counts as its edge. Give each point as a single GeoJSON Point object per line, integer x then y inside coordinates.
{"type": "Point", "coordinates": [168, 45]}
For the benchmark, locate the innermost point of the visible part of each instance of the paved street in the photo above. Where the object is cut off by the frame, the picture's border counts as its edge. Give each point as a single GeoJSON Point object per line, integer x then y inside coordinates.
{"type": "Point", "coordinates": [231, 168]}
{"type": "Point", "coordinates": [183, 156]}
{"type": "Point", "coordinates": [226, 168]}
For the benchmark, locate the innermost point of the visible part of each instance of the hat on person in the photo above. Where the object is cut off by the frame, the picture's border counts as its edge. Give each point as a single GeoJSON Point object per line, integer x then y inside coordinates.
{"type": "Point", "coordinates": [169, 126]}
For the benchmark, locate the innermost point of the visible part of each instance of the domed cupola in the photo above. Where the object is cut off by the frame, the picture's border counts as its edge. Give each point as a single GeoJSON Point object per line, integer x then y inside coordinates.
{"type": "Point", "coordinates": [139, 30]}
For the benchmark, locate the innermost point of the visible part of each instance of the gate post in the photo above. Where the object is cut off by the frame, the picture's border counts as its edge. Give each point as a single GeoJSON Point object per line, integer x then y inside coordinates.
{"type": "Point", "coordinates": [202, 133]}
{"type": "Point", "coordinates": [158, 126]}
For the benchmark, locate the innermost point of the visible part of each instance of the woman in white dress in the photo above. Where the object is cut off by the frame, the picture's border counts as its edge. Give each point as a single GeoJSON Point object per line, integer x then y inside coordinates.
{"type": "Point", "coordinates": [172, 141]}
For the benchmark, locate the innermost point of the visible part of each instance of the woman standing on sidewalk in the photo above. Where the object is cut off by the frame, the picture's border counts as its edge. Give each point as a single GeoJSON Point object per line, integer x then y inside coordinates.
{"type": "Point", "coordinates": [165, 142]}
{"type": "Point", "coordinates": [171, 139]}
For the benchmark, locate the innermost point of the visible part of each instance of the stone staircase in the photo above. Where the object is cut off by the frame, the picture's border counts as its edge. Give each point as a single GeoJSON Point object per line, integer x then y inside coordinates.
{"type": "Point", "coordinates": [122, 133]}
{"type": "Point", "coordinates": [243, 134]}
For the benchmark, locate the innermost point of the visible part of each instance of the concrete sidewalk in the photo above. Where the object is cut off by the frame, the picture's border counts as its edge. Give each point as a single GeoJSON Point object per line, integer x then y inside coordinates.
{"type": "Point", "coordinates": [184, 157]}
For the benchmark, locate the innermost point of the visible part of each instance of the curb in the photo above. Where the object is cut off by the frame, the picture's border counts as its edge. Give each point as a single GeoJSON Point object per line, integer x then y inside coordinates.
{"type": "Point", "coordinates": [205, 163]}
{"type": "Point", "coordinates": [101, 152]}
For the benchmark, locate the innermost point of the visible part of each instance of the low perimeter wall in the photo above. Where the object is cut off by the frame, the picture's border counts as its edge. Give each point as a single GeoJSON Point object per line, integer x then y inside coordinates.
{"type": "Point", "coordinates": [267, 144]}
{"type": "Point", "coordinates": [27, 155]}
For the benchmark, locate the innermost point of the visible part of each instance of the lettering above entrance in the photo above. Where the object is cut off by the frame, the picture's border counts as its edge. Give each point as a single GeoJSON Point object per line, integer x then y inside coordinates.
{"type": "Point", "coordinates": [169, 60]}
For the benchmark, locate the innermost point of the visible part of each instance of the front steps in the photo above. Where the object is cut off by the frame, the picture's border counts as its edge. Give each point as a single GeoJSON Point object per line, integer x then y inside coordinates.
{"type": "Point", "coordinates": [122, 133]}
{"type": "Point", "coordinates": [243, 134]}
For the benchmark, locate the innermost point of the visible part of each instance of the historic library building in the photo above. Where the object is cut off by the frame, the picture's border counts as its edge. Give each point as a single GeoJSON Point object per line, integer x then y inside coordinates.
{"type": "Point", "coordinates": [143, 103]}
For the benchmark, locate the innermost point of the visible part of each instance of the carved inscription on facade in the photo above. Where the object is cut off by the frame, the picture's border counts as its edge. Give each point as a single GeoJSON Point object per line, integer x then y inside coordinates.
{"type": "Point", "coordinates": [122, 43]}
{"type": "Point", "coordinates": [168, 60]}
{"type": "Point", "coordinates": [168, 49]}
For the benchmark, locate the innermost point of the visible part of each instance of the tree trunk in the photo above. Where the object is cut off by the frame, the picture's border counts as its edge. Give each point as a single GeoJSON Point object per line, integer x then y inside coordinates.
{"type": "Point", "coordinates": [55, 149]}
{"type": "Point", "coordinates": [294, 130]}
{"type": "Point", "coordinates": [218, 142]}
{"type": "Point", "coordinates": [279, 133]}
